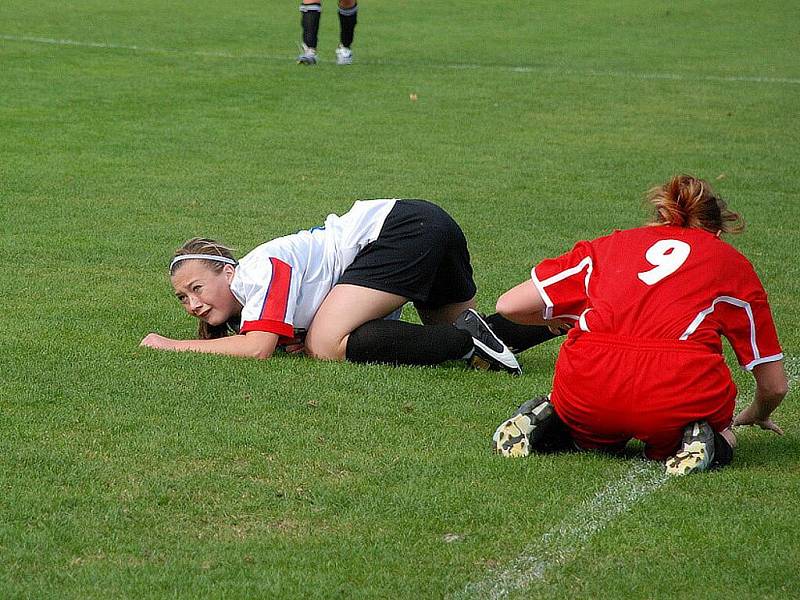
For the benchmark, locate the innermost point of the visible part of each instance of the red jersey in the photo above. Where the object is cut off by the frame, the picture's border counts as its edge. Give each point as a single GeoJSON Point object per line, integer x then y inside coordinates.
{"type": "Point", "coordinates": [662, 282]}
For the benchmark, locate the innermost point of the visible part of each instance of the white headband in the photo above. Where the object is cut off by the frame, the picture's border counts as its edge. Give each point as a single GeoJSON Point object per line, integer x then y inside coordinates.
{"type": "Point", "coordinates": [214, 257]}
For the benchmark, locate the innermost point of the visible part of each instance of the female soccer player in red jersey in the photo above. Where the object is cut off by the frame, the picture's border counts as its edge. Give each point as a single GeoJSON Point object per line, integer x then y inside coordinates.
{"type": "Point", "coordinates": [644, 358]}
{"type": "Point", "coordinates": [331, 291]}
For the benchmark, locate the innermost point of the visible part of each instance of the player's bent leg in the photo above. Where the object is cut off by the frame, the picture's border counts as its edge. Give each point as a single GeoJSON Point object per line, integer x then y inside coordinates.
{"type": "Point", "coordinates": [488, 351]}
{"type": "Point", "coordinates": [344, 309]}
{"type": "Point", "coordinates": [400, 343]}
{"type": "Point", "coordinates": [535, 425]}
{"type": "Point", "coordinates": [444, 314]}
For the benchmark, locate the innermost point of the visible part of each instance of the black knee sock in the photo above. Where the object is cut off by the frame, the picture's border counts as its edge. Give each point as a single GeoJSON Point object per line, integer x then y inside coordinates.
{"type": "Point", "coordinates": [348, 17]}
{"type": "Point", "coordinates": [518, 337]}
{"type": "Point", "coordinates": [723, 452]}
{"type": "Point", "coordinates": [554, 437]}
{"type": "Point", "coordinates": [310, 23]}
{"type": "Point", "coordinates": [402, 343]}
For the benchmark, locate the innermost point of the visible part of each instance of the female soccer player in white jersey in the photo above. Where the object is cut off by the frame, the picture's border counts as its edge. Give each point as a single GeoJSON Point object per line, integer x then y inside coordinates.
{"type": "Point", "coordinates": [328, 291]}
{"type": "Point", "coordinates": [644, 358]}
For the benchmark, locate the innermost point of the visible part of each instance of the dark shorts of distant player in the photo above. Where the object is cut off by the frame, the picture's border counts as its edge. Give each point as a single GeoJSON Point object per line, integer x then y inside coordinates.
{"type": "Point", "coordinates": [610, 389]}
{"type": "Point", "coordinates": [420, 254]}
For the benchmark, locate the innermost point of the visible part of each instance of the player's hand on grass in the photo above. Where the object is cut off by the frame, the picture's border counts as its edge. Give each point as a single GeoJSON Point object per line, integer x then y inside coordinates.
{"type": "Point", "coordinates": [157, 342]}
{"type": "Point", "coordinates": [294, 347]}
{"type": "Point", "coordinates": [748, 417]}
{"type": "Point", "coordinates": [558, 326]}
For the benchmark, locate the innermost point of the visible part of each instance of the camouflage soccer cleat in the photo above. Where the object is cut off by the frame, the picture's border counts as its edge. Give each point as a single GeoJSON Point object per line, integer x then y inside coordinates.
{"type": "Point", "coordinates": [696, 452]}
{"type": "Point", "coordinates": [515, 436]}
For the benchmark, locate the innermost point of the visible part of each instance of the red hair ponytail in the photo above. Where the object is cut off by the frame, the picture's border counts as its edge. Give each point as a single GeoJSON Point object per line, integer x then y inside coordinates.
{"type": "Point", "coordinates": [686, 201]}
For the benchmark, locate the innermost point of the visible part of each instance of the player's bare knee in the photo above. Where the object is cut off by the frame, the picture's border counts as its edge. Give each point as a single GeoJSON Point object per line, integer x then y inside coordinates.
{"type": "Point", "coordinates": [325, 348]}
{"type": "Point", "coordinates": [503, 306]}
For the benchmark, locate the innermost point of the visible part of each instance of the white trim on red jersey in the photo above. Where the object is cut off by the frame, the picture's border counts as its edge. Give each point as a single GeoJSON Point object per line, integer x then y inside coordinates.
{"type": "Point", "coordinates": [743, 304]}
{"type": "Point", "coordinates": [586, 263]}
{"type": "Point", "coordinates": [582, 324]}
{"type": "Point", "coordinates": [599, 282]}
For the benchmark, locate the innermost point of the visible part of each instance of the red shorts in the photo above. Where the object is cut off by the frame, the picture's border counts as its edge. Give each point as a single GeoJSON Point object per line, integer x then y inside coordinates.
{"type": "Point", "coordinates": [609, 389]}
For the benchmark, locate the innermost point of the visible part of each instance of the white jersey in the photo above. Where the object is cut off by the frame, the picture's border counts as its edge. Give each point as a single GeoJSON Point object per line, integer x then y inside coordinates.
{"type": "Point", "coordinates": [282, 283]}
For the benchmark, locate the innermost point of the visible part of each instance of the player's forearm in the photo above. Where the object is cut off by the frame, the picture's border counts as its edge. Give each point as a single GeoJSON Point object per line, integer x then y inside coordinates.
{"type": "Point", "coordinates": [771, 388]}
{"type": "Point", "coordinates": [522, 304]}
{"type": "Point", "coordinates": [765, 403]}
{"type": "Point", "coordinates": [234, 345]}
{"type": "Point", "coordinates": [248, 346]}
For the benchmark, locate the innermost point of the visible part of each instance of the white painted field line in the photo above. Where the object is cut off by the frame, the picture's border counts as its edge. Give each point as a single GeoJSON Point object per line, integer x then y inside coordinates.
{"type": "Point", "coordinates": [561, 543]}
{"type": "Point", "coordinates": [554, 71]}
{"type": "Point", "coordinates": [145, 49]}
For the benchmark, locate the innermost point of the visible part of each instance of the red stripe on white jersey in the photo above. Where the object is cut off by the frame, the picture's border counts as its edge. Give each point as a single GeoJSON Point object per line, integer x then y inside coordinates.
{"type": "Point", "coordinates": [278, 293]}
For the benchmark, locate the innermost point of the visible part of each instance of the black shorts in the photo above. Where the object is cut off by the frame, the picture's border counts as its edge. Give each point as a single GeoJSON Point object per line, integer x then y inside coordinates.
{"type": "Point", "coordinates": [420, 254]}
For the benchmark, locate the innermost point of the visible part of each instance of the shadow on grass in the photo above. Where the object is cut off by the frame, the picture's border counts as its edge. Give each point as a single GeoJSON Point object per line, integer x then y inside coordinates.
{"type": "Point", "coordinates": [756, 449]}
{"type": "Point", "coordinates": [759, 449]}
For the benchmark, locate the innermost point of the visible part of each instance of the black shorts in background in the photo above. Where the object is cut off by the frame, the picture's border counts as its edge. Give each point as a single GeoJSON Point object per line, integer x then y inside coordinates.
{"type": "Point", "coordinates": [421, 254]}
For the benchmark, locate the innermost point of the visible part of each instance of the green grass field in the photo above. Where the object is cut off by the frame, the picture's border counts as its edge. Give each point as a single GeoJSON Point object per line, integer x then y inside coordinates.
{"type": "Point", "coordinates": [127, 127]}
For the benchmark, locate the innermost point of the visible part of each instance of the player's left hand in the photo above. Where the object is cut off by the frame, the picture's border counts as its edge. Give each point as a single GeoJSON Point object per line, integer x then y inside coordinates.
{"type": "Point", "coordinates": [558, 326]}
{"type": "Point", "coordinates": [295, 345]}
{"type": "Point", "coordinates": [747, 418]}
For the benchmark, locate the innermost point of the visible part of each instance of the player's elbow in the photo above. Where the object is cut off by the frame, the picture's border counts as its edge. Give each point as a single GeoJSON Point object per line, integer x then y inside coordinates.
{"type": "Point", "coordinates": [259, 351]}
{"type": "Point", "coordinates": [262, 353]}
{"type": "Point", "coordinates": [258, 344]}
{"type": "Point", "coordinates": [777, 389]}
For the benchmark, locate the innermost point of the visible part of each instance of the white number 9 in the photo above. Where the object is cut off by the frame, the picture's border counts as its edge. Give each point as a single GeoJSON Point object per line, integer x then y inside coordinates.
{"type": "Point", "coordinates": [667, 256]}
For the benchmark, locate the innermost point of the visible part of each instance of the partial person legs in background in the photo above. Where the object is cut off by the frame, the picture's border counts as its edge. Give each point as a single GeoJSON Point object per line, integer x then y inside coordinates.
{"type": "Point", "coordinates": [348, 17]}
{"type": "Point", "coordinates": [310, 11]}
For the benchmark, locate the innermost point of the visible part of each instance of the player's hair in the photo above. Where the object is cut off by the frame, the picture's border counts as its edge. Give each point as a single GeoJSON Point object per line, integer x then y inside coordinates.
{"type": "Point", "coordinates": [686, 201]}
{"type": "Point", "coordinates": [212, 248]}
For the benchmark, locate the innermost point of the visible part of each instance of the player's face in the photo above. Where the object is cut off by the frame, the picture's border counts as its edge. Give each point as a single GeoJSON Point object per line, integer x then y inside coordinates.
{"type": "Point", "coordinates": [206, 293]}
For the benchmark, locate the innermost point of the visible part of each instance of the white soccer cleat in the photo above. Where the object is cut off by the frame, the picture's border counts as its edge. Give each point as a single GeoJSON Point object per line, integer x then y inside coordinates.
{"type": "Point", "coordinates": [308, 56]}
{"type": "Point", "coordinates": [344, 56]}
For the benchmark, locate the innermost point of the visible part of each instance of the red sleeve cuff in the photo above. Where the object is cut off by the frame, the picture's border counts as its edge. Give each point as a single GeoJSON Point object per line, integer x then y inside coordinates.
{"type": "Point", "coordinates": [277, 327]}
